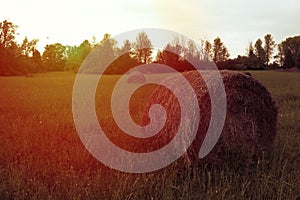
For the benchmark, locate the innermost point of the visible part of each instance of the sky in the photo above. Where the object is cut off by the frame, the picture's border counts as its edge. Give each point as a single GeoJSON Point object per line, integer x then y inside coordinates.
{"type": "Point", "coordinates": [236, 22]}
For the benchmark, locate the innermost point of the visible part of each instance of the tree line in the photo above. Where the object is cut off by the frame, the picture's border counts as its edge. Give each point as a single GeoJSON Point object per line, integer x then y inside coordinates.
{"type": "Point", "coordinates": [24, 58]}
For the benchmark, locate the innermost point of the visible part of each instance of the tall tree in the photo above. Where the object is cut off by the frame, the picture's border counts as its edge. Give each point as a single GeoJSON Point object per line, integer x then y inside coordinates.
{"type": "Point", "coordinates": [250, 50]}
{"type": "Point", "coordinates": [259, 51]}
{"type": "Point", "coordinates": [280, 56]}
{"type": "Point", "coordinates": [251, 61]}
{"type": "Point", "coordinates": [108, 47]}
{"type": "Point", "coordinates": [207, 51]}
{"type": "Point", "coordinates": [37, 61]}
{"type": "Point", "coordinates": [143, 48]}
{"type": "Point", "coordinates": [269, 47]}
{"type": "Point", "coordinates": [220, 52]}
{"type": "Point", "coordinates": [192, 52]}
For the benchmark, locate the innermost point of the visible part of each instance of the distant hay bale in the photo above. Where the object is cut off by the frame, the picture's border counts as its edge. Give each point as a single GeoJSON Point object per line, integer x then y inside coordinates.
{"type": "Point", "coordinates": [250, 124]}
{"type": "Point", "coordinates": [29, 75]}
{"type": "Point", "coordinates": [136, 77]}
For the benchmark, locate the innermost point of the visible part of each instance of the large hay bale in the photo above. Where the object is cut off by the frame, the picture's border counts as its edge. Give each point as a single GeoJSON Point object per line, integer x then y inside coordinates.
{"type": "Point", "coordinates": [136, 77]}
{"type": "Point", "coordinates": [250, 124]}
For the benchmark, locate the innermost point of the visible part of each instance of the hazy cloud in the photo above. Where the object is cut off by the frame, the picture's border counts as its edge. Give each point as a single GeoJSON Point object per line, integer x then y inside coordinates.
{"type": "Point", "coordinates": [235, 21]}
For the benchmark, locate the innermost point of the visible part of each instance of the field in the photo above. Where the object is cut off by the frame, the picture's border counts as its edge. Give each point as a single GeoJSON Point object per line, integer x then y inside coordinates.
{"type": "Point", "coordinates": [42, 157]}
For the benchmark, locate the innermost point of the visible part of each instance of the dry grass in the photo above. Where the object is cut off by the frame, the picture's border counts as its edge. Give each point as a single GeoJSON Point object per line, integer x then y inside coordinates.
{"type": "Point", "coordinates": [41, 156]}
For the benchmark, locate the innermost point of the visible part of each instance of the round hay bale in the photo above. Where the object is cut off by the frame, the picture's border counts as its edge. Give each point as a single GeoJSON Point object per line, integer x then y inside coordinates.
{"type": "Point", "coordinates": [250, 124]}
{"type": "Point", "coordinates": [136, 77]}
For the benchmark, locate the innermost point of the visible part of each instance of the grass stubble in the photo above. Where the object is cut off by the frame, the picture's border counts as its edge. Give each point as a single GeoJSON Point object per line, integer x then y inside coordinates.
{"type": "Point", "coordinates": [42, 157]}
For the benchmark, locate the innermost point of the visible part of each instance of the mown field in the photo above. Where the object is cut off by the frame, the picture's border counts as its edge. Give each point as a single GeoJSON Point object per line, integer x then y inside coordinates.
{"type": "Point", "coordinates": [42, 157]}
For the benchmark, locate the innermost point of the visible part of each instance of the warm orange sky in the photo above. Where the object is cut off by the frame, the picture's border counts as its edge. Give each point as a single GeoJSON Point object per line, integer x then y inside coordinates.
{"type": "Point", "coordinates": [236, 22]}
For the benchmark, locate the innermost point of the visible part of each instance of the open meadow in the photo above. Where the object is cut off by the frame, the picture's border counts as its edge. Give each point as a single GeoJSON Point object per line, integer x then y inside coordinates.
{"type": "Point", "coordinates": [42, 157]}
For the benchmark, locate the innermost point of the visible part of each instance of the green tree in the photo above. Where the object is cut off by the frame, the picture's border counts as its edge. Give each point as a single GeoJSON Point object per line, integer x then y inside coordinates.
{"type": "Point", "coordinates": [73, 60]}
{"type": "Point", "coordinates": [269, 47]}
{"type": "Point", "coordinates": [76, 55]}
{"type": "Point", "coordinates": [143, 48]}
{"type": "Point", "coordinates": [54, 57]}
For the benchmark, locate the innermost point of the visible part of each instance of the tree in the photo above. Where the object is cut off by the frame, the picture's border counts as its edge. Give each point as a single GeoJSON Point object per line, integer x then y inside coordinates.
{"type": "Point", "coordinates": [207, 51]}
{"type": "Point", "coordinates": [29, 57]}
{"type": "Point", "coordinates": [184, 55]}
{"type": "Point", "coordinates": [225, 54]}
{"type": "Point", "coordinates": [250, 61]}
{"type": "Point", "coordinates": [127, 47]}
{"type": "Point", "coordinates": [37, 61]}
{"type": "Point", "coordinates": [54, 57]}
{"type": "Point", "coordinates": [192, 52]}
{"type": "Point", "coordinates": [94, 42]}
{"type": "Point", "coordinates": [73, 59]}
{"type": "Point", "coordinates": [170, 56]}
{"type": "Point", "coordinates": [250, 50]}
{"type": "Point", "coordinates": [17, 59]}
{"type": "Point", "coordinates": [269, 47]}
{"type": "Point", "coordinates": [124, 60]}
{"type": "Point", "coordinates": [28, 47]}
{"type": "Point", "coordinates": [220, 52]}
{"type": "Point", "coordinates": [201, 49]}
{"type": "Point", "coordinates": [7, 34]}
{"type": "Point", "coordinates": [76, 55]}
{"type": "Point", "coordinates": [103, 55]}
{"type": "Point", "coordinates": [108, 46]}
{"type": "Point", "coordinates": [8, 47]}
{"type": "Point", "coordinates": [259, 51]}
{"type": "Point", "coordinates": [280, 56]}
{"type": "Point", "coordinates": [289, 52]}
{"type": "Point", "coordinates": [143, 48]}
